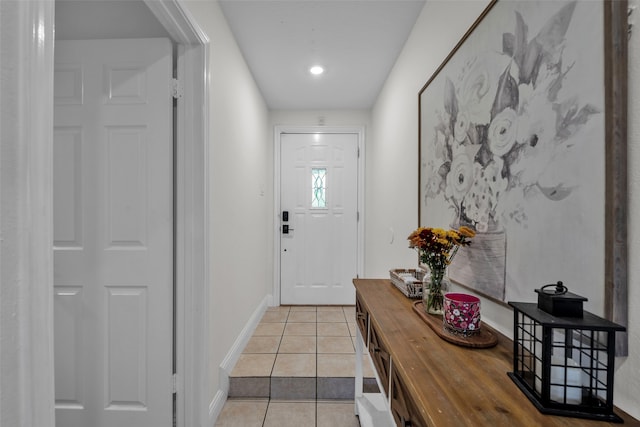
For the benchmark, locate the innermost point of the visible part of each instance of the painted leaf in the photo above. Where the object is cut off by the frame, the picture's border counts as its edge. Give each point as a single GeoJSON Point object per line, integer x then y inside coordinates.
{"type": "Point", "coordinates": [556, 85]}
{"type": "Point", "coordinates": [520, 49]}
{"type": "Point", "coordinates": [551, 36]}
{"type": "Point", "coordinates": [509, 44]}
{"type": "Point", "coordinates": [571, 118]}
{"type": "Point", "coordinates": [450, 100]}
{"type": "Point", "coordinates": [506, 94]}
{"type": "Point", "coordinates": [531, 62]}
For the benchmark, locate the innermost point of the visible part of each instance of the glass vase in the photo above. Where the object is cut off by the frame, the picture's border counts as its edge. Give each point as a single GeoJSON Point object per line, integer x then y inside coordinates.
{"type": "Point", "coordinates": [434, 286]}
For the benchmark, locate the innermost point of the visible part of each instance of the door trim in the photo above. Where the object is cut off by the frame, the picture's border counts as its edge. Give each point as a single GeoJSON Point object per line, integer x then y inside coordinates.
{"type": "Point", "coordinates": [280, 130]}
{"type": "Point", "coordinates": [26, 217]}
{"type": "Point", "coordinates": [192, 212]}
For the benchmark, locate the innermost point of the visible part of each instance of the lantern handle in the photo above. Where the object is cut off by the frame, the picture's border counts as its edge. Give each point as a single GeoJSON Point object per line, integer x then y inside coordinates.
{"type": "Point", "coordinates": [560, 288]}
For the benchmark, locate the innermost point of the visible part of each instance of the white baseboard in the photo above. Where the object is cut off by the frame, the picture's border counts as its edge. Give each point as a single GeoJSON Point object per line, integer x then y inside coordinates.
{"type": "Point", "coordinates": [215, 407]}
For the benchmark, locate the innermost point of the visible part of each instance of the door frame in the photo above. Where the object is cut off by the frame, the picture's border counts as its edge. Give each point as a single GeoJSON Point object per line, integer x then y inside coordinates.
{"type": "Point", "coordinates": [278, 132]}
{"type": "Point", "coordinates": [192, 212]}
{"type": "Point", "coordinates": [32, 130]}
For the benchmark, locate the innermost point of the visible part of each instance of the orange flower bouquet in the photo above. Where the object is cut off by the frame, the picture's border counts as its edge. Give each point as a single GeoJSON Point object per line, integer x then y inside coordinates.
{"type": "Point", "coordinates": [436, 249]}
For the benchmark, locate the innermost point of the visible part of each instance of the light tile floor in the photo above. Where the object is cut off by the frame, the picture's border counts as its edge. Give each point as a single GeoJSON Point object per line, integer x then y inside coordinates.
{"type": "Point", "coordinates": [296, 370]}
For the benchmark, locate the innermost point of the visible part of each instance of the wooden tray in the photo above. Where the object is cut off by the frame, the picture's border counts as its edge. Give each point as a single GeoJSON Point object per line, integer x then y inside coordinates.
{"type": "Point", "coordinates": [482, 339]}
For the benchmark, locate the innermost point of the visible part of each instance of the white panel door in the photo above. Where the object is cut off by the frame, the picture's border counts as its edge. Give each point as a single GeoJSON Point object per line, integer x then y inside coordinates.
{"type": "Point", "coordinates": [319, 191]}
{"type": "Point", "coordinates": [113, 233]}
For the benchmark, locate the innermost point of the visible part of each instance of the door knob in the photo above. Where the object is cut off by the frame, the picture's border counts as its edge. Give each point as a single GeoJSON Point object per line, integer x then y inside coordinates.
{"type": "Point", "coordinates": [286, 229]}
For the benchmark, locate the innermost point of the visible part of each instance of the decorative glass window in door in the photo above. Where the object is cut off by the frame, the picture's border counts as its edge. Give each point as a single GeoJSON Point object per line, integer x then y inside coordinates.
{"type": "Point", "coordinates": [318, 187]}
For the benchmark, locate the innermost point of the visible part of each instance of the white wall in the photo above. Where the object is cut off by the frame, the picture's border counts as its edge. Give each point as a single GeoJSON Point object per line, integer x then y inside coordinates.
{"type": "Point", "coordinates": [392, 169]}
{"type": "Point", "coordinates": [392, 153]}
{"type": "Point", "coordinates": [239, 190]}
{"type": "Point", "coordinates": [320, 118]}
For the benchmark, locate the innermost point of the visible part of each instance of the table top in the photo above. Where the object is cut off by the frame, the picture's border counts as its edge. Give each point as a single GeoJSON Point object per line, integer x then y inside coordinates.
{"type": "Point", "coordinates": [454, 385]}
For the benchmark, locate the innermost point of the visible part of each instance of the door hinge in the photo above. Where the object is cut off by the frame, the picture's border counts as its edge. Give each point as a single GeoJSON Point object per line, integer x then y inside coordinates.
{"type": "Point", "coordinates": [358, 216]}
{"type": "Point", "coordinates": [176, 89]}
{"type": "Point", "coordinates": [175, 381]}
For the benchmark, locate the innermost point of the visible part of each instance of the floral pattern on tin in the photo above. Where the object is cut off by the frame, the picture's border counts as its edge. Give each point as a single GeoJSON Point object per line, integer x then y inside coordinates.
{"type": "Point", "coordinates": [462, 313]}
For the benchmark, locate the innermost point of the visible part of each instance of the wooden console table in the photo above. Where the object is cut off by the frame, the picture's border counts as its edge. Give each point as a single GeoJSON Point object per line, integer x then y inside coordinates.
{"type": "Point", "coordinates": [430, 382]}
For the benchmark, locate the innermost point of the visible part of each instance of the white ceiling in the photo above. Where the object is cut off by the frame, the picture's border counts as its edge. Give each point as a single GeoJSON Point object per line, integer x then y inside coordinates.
{"type": "Point", "coordinates": [356, 41]}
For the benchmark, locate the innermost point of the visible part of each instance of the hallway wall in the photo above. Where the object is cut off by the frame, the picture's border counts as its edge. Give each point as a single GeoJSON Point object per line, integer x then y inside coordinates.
{"type": "Point", "coordinates": [240, 194]}
{"type": "Point", "coordinates": [393, 148]}
{"type": "Point", "coordinates": [320, 118]}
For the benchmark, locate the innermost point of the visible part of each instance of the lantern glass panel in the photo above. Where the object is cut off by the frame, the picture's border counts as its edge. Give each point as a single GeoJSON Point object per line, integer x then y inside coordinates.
{"type": "Point", "coordinates": [530, 351]}
{"type": "Point", "coordinates": [566, 377]}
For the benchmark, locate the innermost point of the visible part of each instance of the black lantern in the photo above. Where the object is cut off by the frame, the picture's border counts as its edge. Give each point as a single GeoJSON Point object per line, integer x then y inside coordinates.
{"type": "Point", "coordinates": [563, 357]}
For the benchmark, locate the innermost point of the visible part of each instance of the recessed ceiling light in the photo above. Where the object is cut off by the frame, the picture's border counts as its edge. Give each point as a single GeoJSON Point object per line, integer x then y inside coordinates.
{"type": "Point", "coordinates": [316, 70]}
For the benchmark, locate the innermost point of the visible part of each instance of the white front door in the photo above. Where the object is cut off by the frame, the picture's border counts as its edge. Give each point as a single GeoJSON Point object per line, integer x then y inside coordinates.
{"type": "Point", "coordinates": [319, 218]}
{"type": "Point", "coordinates": [113, 233]}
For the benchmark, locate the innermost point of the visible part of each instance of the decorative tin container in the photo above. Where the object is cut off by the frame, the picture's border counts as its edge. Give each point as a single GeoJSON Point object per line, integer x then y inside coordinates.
{"type": "Point", "coordinates": [461, 313]}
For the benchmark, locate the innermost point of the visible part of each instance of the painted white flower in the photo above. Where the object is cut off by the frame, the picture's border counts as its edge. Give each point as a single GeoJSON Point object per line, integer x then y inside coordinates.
{"type": "Point", "coordinates": [493, 177]}
{"type": "Point", "coordinates": [503, 131]}
{"type": "Point", "coordinates": [461, 127]}
{"type": "Point", "coordinates": [482, 198]}
{"type": "Point", "coordinates": [537, 139]}
{"type": "Point", "coordinates": [460, 176]}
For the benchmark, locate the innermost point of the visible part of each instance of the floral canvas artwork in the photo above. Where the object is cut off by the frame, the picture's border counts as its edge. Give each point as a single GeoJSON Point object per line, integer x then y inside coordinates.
{"type": "Point", "coordinates": [512, 145]}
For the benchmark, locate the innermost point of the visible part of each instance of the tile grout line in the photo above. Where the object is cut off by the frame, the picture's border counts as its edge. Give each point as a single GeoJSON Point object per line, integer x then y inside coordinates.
{"type": "Point", "coordinates": [287, 320]}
